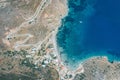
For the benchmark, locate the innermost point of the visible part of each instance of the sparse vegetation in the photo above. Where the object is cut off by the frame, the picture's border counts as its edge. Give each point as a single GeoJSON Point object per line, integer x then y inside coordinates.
{"type": "Point", "coordinates": [99, 69]}
{"type": "Point", "coordinates": [13, 68]}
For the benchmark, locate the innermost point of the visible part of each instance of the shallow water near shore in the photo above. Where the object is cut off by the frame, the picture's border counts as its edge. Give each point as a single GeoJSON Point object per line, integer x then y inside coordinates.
{"type": "Point", "coordinates": [91, 28]}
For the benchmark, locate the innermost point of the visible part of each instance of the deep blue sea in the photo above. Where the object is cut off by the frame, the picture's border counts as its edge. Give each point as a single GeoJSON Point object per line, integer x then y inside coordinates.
{"type": "Point", "coordinates": [91, 28]}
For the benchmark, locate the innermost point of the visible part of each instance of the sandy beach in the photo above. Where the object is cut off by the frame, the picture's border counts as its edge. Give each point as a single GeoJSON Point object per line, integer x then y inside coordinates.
{"type": "Point", "coordinates": [66, 69]}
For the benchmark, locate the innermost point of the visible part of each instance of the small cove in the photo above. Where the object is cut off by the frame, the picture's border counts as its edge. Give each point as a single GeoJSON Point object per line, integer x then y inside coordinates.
{"type": "Point", "coordinates": [91, 28]}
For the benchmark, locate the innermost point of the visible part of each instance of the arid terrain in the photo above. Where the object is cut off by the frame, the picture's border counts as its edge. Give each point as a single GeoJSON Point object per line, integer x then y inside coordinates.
{"type": "Point", "coordinates": [99, 68]}
{"type": "Point", "coordinates": [26, 31]}
{"type": "Point", "coordinates": [12, 14]}
{"type": "Point", "coordinates": [26, 23]}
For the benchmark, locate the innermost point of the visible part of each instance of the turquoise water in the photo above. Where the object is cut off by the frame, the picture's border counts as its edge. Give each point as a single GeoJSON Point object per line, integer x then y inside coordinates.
{"type": "Point", "coordinates": [92, 28]}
